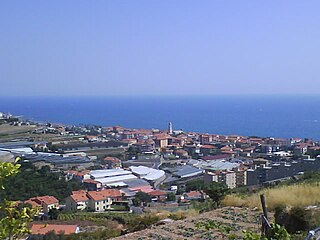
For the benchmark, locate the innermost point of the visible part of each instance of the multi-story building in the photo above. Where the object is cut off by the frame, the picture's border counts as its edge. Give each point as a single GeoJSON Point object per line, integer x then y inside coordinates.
{"type": "Point", "coordinates": [226, 177]}
{"type": "Point", "coordinates": [278, 171]}
{"type": "Point", "coordinates": [241, 177]}
{"type": "Point", "coordinates": [78, 200]}
{"type": "Point", "coordinates": [100, 201]}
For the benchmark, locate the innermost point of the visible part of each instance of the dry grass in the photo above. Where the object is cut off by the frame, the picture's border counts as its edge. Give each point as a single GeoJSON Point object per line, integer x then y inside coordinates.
{"type": "Point", "coordinates": [292, 196]}
{"type": "Point", "coordinates": [180, 214]}
{"type": "Point", "coordinates": [9, 129]}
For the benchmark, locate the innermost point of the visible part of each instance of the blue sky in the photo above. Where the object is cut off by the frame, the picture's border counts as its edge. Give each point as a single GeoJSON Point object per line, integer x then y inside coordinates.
{"type": "Point", "coordinates": [213, 47]}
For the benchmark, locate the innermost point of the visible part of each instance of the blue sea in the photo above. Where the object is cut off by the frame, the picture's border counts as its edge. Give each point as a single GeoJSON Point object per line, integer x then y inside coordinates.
{"type": "Point", "coordinates": [275, 116]}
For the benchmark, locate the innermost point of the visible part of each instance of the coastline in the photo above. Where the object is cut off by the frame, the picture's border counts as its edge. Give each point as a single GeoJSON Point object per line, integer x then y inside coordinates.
{"type": "Point", "coordinates": [266, 116]}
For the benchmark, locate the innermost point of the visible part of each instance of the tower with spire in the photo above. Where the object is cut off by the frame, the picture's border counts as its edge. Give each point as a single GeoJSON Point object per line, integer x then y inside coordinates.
{"type": "Point", "coordinates": [170, 130]}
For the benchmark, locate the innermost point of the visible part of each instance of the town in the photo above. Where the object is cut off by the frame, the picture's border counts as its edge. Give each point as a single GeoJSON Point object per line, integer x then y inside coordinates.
{"type": "Point", "coordinates": [118, 169]}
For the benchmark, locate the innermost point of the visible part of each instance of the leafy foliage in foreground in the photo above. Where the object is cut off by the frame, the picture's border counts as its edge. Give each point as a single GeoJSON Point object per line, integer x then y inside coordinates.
{"type": "Point", "coordinates": [277, 232]}
{"type": "Point", "coordinates": [13, 220]}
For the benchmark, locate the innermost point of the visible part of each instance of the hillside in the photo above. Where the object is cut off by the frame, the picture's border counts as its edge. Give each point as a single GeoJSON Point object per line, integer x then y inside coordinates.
{"type": "Point", "coordinates": [220, 222]}
{"type": "Point", "coordinates": [296, 195]}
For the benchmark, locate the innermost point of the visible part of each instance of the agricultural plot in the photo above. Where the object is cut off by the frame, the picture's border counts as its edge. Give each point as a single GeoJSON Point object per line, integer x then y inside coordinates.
{"type": "Point", "coordinates": [217, 224]}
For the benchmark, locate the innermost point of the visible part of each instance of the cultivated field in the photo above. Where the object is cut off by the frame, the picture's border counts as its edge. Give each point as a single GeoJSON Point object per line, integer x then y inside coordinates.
{"type": "Point", "coordinates": [9, 129]}
{"type": "Point", "coordinates": [216, 224]}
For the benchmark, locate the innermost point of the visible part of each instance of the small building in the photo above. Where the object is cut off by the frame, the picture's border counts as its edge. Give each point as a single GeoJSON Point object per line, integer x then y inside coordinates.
{"type": "Point", "coordinates": [78, 176]}
{"type": "Point", "coordinates": [44, 202]}
{"type": "Point", "coordinates": [158, 195]}
{"type": "Point", "coordinates": [112, 162]}
{"type": "Point", "coordinates": [92, 185]}
{"type": "Point", "coordinates": [193, 195]}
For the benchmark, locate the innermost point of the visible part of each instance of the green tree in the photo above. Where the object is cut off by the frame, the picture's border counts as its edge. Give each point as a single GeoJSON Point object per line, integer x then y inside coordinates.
{"type": "Point", "coordinates": [53, 213]}
{"type": "Point", "coordinates": [13, 220]}
{"type": "Point", "coordinates": [6, 170]}
{"type": "Point", "coordinates": [30, 182]}
{"type": "Point", "coordinates": [195, 185]}
{"type": "Point", "coordinates": [141, 197]}
{"type": "Point", "coordinates": [216, 191]}
{"type": "Point", "coordinates": [171, 196]}
{"type": "Point", "coordinates": [299, 220]}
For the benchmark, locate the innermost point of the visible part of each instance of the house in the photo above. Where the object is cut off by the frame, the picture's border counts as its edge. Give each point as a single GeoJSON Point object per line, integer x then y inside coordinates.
{"type": "Point", "coordinates": [205, 138]}
{"type": "Point", "coordinates": [79, 176]}
{"type": "Point", "coordinates": [145, 189]}
{"type": "Point", "coordinates": [207, 149]}
{"type": "Point", "coordinates": [193, 195]}
{"type": "Point", "coordinates": [78, 200]}
{"type": "Point", "coordinates": [181, 153]}
{"type": "Point", "coordinates": [92, 185]}
{"type": "Point", "coordinates": [161, 142]}
{"type": "Point", "coordinates": [112, 162]}
{"type": "Point", "coordinates": [100, 201]}
{"type": "Point", "coordinates": [42, 229]}
{"type": "Point", "coordinates": [158, 195]}
{"type": "Point", "coordinates": [44, 202]}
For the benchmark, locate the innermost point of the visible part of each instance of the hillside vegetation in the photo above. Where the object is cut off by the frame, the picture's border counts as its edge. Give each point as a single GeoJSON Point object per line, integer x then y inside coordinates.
{"type": "Point", "coordinates": [32, 182]}
{"type": "Point", "coordinates": [294, 193]}
{"type": "Point", "coordinates": [304, 194]}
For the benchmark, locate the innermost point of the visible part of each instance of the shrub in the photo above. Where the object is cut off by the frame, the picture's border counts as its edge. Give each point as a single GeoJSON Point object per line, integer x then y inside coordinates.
{"type": "Point", "coordinates": [297, 219]}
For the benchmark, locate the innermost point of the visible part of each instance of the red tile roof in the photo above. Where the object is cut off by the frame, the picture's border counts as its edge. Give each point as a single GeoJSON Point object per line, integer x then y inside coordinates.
{"type": "Point", "coordinates": [79, 174]}
{"type": "Point", "coordinates": [45, 228]}
{"type": "Point", "coordinates": [79, 196]}
{"type": "Point", "coordinates": [145, 189]}
{"type": "Point", "coordinates": [157, 193]}
{"type": "Point", "coordinates": [104, 194]}
{"type": "Point", "coordinates": [37, 201]}
{"type": "Point", "coordinates": [112, 159]}
{"type": "Point", "coordinates": [208, 147]}
{"type": "Point", "coordinates": [90, 181]}
{"type": "Point", "coordinates": [32, 203]}
{"type": "Point", "coordinates": [194, 194]}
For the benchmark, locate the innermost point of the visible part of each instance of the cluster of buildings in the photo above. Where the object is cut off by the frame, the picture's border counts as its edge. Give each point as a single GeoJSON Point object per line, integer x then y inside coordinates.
{"type": "Point", "coordinates": [149, 158]}
{"type": "Point", "coordinates": [168, 156]}
{"type": "Point", "coordinates": [123, 184]}
{"type": "Point", "coordinates": [5, 115]}
{"type": "Point", "coordinates": [233, 160]}
{"type": "Point", "coordinates": [97, 201]}
{"type": "Point", "coordinates": [114, 163]}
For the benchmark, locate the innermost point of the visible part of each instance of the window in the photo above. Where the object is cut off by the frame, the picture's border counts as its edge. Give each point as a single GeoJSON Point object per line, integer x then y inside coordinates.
{"type": "Point", "coordinates": [97, 208]}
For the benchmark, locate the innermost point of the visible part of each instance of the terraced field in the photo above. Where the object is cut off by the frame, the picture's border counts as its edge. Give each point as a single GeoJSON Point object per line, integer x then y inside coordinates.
{"type": "Point", "coordinates": [217, 224]}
